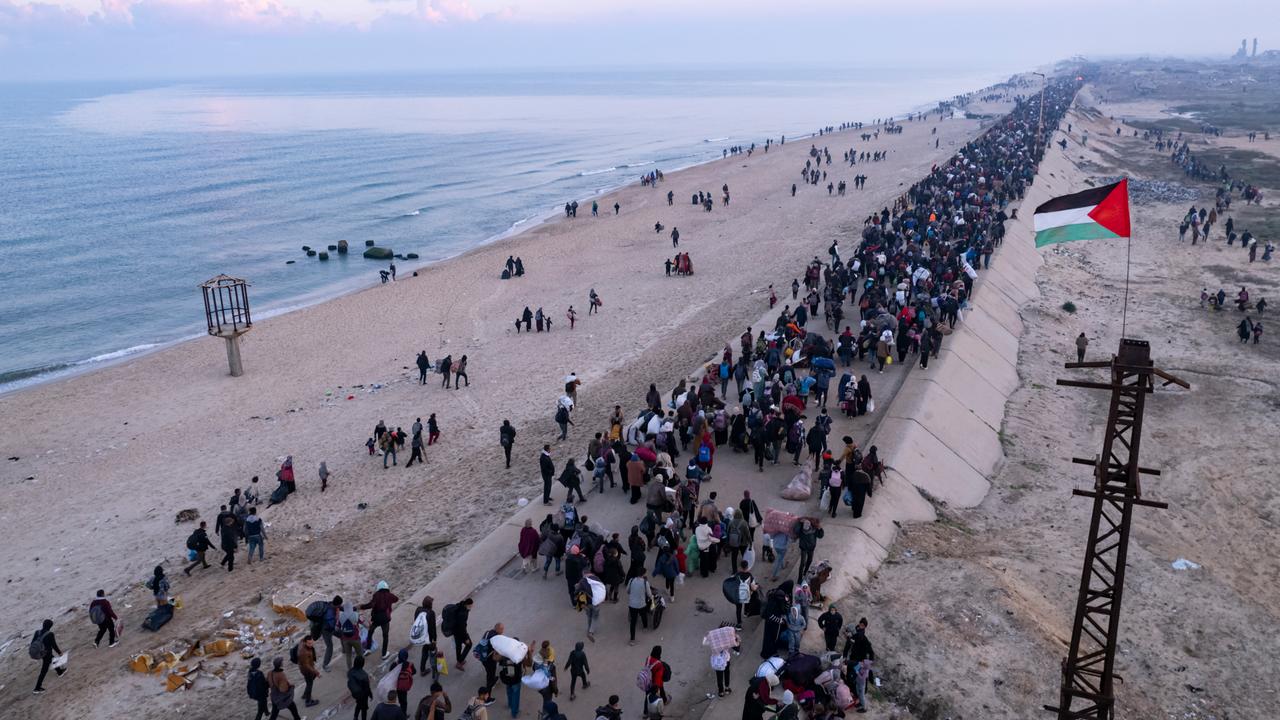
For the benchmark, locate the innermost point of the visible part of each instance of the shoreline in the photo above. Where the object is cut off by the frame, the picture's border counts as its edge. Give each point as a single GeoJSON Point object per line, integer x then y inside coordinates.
{"type": "Point", "coordinates": [61, 372]}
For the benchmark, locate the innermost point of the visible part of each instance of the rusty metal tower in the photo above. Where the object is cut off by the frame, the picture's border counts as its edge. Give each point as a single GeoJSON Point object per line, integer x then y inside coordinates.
{"type": "Point", "coordinates": [1088, 670]}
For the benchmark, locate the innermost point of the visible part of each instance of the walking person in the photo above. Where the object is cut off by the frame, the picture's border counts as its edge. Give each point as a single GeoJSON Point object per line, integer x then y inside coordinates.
{"type": "Point", "coordinates": [255, 534]}
{"type": "Point", "coordinates": [427, 663]}
{"type": "Point", "coordinates": [230, 543]}
{"type": "Point", "coordinates": [807, 532]}
{"type": "Point", "coordinates": [198, 543]}
{"type": "Point", "coordinates": [381, 604]}
{"type": "Point", "coordinates": [102, 615]}
{"type": "Point", "coordinates": [723, 642]}
{"type": "Point", "coordinates": [1082, 342]}
{"type": "Point", "coordinates": [258, 689]}
{"type": "Point", "coordinates": [433, 429]}
{"type": "Point", "coordinates": [579, 668]}
{"type": "Point", "coordinates": [639, 599]}
{"type": "Point", "coordinates": [460, 374]}
{"type": "Point", "coordinates": [388, 446]}
{"type": "Point", "coordinates": [572, 315]}
{"type": "Point", "coordinates": [360, 689]}
{"type": "Point", "coordinates": [415, 446]}
{"type": "Point", "coordinates": [46, 644]}
{"type": "Point", "coordinates": [446, 369]}
{"type": "Point", "coordinates": [571, 479]}
{"type": "Point", "coordinates": [527, 546]}
{"type": "Point", "coordinates": [424, 365]}
{"type": "Point", "coordinates": [507, 438]}
{"type": "Point", "coordinates": [281, 691]}
{"type": "Point", "coordinates": [307, 666]}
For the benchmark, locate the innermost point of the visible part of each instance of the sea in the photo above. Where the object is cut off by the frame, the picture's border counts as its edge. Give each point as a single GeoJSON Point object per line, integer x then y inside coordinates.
{"type": "Point", "coordinates": [118, 199]}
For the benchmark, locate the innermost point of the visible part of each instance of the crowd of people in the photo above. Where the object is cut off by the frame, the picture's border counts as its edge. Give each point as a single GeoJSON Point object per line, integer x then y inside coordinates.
{"type": "Point", "coordinates": [910, 276]}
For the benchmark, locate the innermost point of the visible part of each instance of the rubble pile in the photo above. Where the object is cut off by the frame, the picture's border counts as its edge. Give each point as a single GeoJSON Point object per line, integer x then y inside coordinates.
{"type": "Point", "coordinates": [1150, 192]}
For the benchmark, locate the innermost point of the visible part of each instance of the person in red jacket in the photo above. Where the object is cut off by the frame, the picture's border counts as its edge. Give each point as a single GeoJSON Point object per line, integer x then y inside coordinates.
{"type": "Point", "coordinates": [107, 623]}
{"type": "Point", "coordinates": [381, 603]}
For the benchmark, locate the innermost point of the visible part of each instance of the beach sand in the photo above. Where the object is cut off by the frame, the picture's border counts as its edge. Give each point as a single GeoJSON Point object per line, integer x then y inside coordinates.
{"type": "Point", "coordinates": [106, 459]}
{"type": "Point", "coordinates": [971, 615]}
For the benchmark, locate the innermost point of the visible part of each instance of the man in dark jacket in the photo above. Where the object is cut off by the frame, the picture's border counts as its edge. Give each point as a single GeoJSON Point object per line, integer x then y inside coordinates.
{"type": "Point", "coordinates": [548, 468]}
{"type": "Point", "coordinates": [198, 542]}
{"type": "Point", "coordinates": [574, 566]}
{"type": "Point", "coordinates": [107, 626]}
{"type": "Point", "coordinates": [389, 709]}
{"type": "Point", "coordinates": [507, 438]}
{"type": "Point", "coordinates": [230, 542]}
{"type": "Point", "coordinates": [51, 650]}
{"type": "Point", "coordinates": [381, 603]}
{"type": "Point", "coordinates": [423, 366]}
{"type": "Point", "coordinates": [831, 622]}
{"type": "Point", "coordinates": [358, 686]}
{"type": "Point", "coordinates": [461, 636]}
{"type": "Point", "coordinates": [750, 513]}
{"type": "Point", "coordinates": [258, 688]}
{"type": "Point", "coordinates": [612, 711]}
{"type": "Point", "coordinates": [807, 533]}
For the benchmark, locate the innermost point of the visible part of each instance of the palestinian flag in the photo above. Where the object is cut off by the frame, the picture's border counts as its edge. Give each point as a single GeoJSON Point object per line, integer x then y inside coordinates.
{"type": "Point", "coordinates": [1098, 214]}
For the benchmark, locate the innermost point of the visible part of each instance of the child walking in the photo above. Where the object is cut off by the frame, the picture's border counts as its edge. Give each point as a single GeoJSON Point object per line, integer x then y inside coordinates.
{"type": "Point", "coordinates": [578, 669]}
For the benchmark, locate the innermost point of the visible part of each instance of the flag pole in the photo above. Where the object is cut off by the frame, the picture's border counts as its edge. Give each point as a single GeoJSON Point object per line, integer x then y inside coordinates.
{"type": "Point", "coordinates": [1124, 313]}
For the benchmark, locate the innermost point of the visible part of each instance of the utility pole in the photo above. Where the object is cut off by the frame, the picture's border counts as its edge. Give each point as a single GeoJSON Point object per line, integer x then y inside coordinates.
{"type": "Point", "coordinates": [1089, 668]}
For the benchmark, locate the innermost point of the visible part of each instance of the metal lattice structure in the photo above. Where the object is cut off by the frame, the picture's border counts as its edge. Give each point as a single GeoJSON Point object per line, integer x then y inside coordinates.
{"type": "Point", "coordinates": [226, 312]}
{"type": "Point", "coordinates": [1088, 671]}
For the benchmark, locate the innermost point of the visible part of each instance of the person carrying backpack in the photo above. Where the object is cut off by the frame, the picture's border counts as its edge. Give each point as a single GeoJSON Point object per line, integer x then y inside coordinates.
{"type": "Point", "coordinates": [405, 671]}
{"type": "Point", "coordinates": [198, 543]}
{"type": "Point", "coordinates": [44, 647]}
{"type": "Point", "coordinates": [453, 623]}
{"type": "Point", "coordinates": [478, 706]}
{"type": "Point", "coordinates": [101, 614]}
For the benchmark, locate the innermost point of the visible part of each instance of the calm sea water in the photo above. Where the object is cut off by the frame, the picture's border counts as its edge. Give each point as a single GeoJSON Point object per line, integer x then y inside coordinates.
{"type": "Point", "coordinates": [117, 201]}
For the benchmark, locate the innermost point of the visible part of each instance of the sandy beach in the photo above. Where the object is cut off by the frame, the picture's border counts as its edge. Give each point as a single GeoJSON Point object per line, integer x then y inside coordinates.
{"type": "Point", "coordinates": [104, 461]}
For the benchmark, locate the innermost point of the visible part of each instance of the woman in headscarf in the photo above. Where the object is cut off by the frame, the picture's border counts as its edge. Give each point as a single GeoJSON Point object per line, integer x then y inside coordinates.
{"type": "Point", "coordinates": [286, 475]}
{"type": "Point", "coordinates": [776, 607]}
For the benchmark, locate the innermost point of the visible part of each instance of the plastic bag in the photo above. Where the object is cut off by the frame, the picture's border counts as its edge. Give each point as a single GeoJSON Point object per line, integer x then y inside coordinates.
{"type": "Point", "coordinates": [680, 579]}
{"type": "Point", "coordinates": [442, 665]}
{"type": "Point", "coordinates": [537, 680]}
{"type": "Point", "coordinates": [871, 405]}
{"type": "Point", "coordinates": [749, 557]}
{"type": "Point", "coordinates": [60, 661]}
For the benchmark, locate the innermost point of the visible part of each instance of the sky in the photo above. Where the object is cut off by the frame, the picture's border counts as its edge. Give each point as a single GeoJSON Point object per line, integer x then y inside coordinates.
{"type": "Point", "coordinates": [48, 40]}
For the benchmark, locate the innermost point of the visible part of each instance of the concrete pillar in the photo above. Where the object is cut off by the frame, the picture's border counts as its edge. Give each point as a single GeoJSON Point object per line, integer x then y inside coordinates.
{"type": "Point", "coordinates": [233, 356]}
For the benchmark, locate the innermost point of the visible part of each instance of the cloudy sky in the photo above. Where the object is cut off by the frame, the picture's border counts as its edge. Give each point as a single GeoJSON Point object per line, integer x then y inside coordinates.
{"type": "Point", "coordinates": [144, 39]}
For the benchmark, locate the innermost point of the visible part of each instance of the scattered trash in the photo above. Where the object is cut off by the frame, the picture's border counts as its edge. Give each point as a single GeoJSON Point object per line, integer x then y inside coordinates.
{"type": "Point", "coordinates": [1185, 564]}
{"type": "Point", "coordinates": [522, 502]}
{"type": "Point", "coordinates": [188, 515]}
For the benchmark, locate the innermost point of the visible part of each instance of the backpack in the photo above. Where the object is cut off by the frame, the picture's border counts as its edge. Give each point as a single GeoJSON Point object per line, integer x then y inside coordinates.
{"type": "Point", "coordinates": [256, 686]}
{"type": "Point", "coordinates": [347, 629]}
{"type": "Point", "coordinates": [404, 681]}
{"type": "Point", "coordinates": [418, 631]}
{"type": "Point", "coordinates": [734, 536]}
{"type": "Point", "coordinates": [744, 591]}
{"type": "Point", "coordinates": [468, 713]}
{"type": "Point", "coordinates": [482, 650]}
{"type": "Point", "coordinates": [293, 654]}
{"type": "Point", "coordinates": [36, 648]}
{"type": "Point", "coordinates": [317, 611]}
{"type": "Point", "coordinates": [644, 679]}
{"type": "Point", "coordinates": [562, 415]}
{"type": "Point", "coordinates": [570, 516]}
{"type": "Point", "coordinates": [448, 618]}
{"type": "Point", "coordinates": [704, 454]}
{"type": "Point", "coordinates": [97, 615]}
{"type": "Point", "coordinates": [193, 542]}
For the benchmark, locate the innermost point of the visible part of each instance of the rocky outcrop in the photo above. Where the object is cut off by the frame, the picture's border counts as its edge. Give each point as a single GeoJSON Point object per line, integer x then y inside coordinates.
{"type": "Point", "coordinates": [374, 252]}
